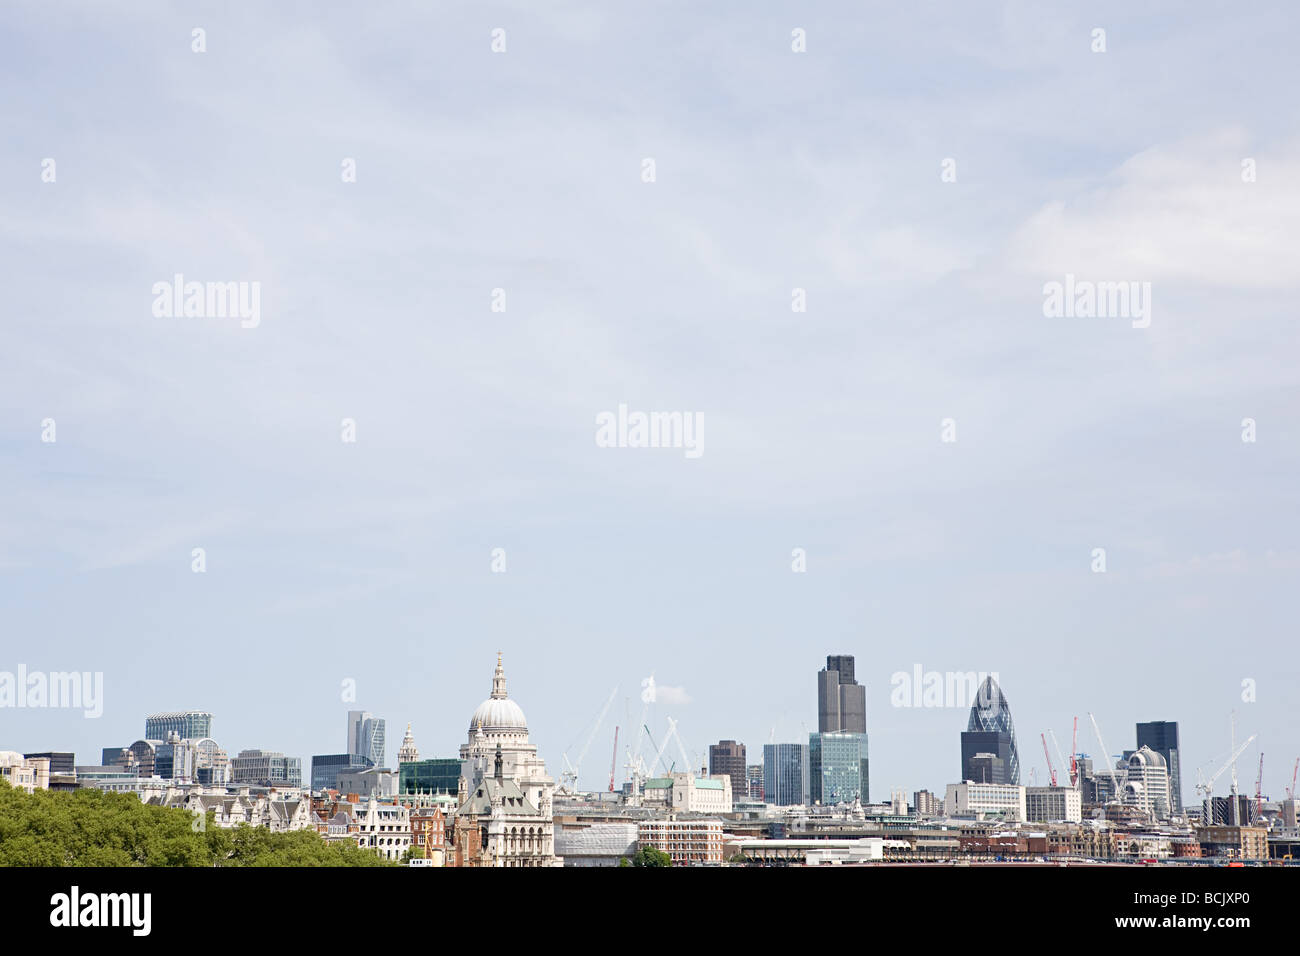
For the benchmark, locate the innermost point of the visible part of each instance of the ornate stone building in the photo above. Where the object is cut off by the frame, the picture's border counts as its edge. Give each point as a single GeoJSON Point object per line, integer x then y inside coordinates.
{"type": "Point", "coordinates": [408, 752]}
{"type": "Point", "coordinates": [504, 815]}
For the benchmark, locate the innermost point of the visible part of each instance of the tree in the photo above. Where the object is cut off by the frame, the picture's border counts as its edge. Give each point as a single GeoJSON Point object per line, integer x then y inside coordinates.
{"type": "Point", "coordinates": [649, 856]}
{"type": "Point", "coordinates": [89, 827]}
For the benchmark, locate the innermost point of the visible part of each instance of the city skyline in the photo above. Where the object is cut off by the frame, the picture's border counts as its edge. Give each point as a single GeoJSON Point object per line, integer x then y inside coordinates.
{"type": "Point", "coordinates": [996, 702]}
{"type": "Point", "coordinates": [847, 256]}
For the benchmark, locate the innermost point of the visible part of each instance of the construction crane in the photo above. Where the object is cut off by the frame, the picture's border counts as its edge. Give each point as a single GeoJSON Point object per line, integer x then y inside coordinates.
{"type": "Point", "coordinates": [1050, 769]}
{"type": "Point", "coordinates": [1206, 787]}
{"type": "Point", "coordinates": [1259, 790]}
{"type": "Point", "coordinates": [1290, 791]}
{"type": "Point", "coordinates": [569, 776]}
{"type": "Point", "coordinates": [1074, 754]}
{"type": "Point", "coordinates": [1106, 756]}
{"type": "Point", "coordinates": [1060, 757]}
{"type": "Point", "coordinates": [613, 760]}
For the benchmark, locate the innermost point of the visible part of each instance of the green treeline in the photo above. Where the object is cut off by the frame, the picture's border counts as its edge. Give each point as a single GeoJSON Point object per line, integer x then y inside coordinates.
{"type": "Point", "coordinates": [92, 828]}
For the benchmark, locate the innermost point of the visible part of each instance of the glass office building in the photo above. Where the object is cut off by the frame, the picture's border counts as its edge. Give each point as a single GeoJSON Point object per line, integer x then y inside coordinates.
{"type": "Point", "coordinates": [785, 774]}
{"type": "Point", "coordinates": [187, 725]}
{"type": "Point", "coordinates": [366, 736]}
{"type": "Point", "coordinates": [436, 775]}
{"type": "Point", "coordinates": [837, 767]}
{"type": "Point", "coordinates": [991, 715]}
{"type": "Point", "coordinates": [325, 768]}
{"type": "Point", "coordinates": [1162, 737]}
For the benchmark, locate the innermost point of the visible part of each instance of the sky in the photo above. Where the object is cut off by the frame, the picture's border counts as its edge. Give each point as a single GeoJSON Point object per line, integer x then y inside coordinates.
{"type": "Point", "coordinates": [921, 172]}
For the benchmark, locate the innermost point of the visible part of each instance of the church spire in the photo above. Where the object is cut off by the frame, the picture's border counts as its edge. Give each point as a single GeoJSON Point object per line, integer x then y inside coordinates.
{"type": "Point", "coordinates": [408, 752]}
{"type": "Point", "coordinates": [499, 680]}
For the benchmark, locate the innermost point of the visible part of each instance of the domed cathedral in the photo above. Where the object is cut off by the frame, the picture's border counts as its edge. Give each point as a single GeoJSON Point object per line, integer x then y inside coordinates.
{"type": "Point", "coordinates": [504, 815]}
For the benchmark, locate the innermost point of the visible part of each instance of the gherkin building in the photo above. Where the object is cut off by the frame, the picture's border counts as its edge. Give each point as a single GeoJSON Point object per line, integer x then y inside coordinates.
{"type": "Point", "coordinates": [991, 714]}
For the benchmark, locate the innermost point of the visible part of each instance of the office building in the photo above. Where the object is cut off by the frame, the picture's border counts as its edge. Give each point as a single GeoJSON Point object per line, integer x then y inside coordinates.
{"type": "Point", "coordinates": [366, 737]}
{"type": "Point", "coordinates": [435, 775]}
{"type": "Point", "coordinates": [727, 756]}
{"type": "Point", "coordinates": [985, 757]}
{"type": "Point", "coordinates": [61, 762]}
{"type": "Point", "coordinates": [990, 731]}
{"type": "Point", "coordinates": [265, 768]}
{"type": "Point", "coordinates": [926, 804]}
{"type": "Point", "coordinates": [1053, 805]}
{"type": "Point", "coordinates": [140, 757]}
{"type": "Point", "coordinates": [187, 724]}
{"type": "Point", "coordinates": [985, 801]}
{"type": "Point", "coordinates": [28, 774]}
{"type": "Point", "coordinates": [786, 775]}
{"type": "Point", "coordinates": [841, 700]}
{"type": "Point", "coordinates": [325, 768]}
{"type": "Point", "coordinates": [688, 842]}
{"type": "Point", "coordinates": [371, 782]}
{"type": "Point", "coordinates": [837, 768]}
{"type": "Point", "coordinates": [1162, 737]}
{"type": "Point", "coordinates": [755, 774]}
{"type": "Point", "coordinates": [1146, 783]}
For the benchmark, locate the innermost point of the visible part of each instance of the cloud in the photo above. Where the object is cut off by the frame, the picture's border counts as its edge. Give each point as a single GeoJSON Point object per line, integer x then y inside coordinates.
{"type": "Point", "coordinates": [673, 696]}
{"type": "Point", "coordinates": [1176, 212]}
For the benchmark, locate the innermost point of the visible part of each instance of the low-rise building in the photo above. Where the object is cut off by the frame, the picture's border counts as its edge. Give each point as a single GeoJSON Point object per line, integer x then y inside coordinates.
{"type": "Point", "coordinates": [687, 793]}
{"type": "Point", "coordinates": [429, 834]}
{"type": "Point", "coordinates": [1003, 801]}
{"type": "Point", "coordinates": [687, 842]}
{"type": "Point", "coordinates": [1241, 843]}
{"type": "Point", "coordinates": [264, 768]}
{"type": "Point", "coordinates": [595, 844]}
{"type": "Point", "coordinates": [1053, 805]}
{"type": "Point", "coordinates": [25, 773]}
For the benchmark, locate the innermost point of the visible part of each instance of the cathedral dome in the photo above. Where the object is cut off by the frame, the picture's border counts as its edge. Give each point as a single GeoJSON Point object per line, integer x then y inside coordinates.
{"type": "Point", "coordinates": [498, 714]}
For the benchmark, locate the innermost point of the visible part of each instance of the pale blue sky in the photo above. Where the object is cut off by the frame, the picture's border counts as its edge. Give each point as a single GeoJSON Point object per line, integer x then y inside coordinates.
{"type": "Point", "coordinates": [776, 170]}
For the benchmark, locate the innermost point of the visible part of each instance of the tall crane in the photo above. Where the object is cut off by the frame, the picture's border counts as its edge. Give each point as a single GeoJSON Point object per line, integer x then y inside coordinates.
{"type": "Point", "coordinates": [1105, 755]}
{"type": "Point", "coordinates": [1290, 791]}
{"type": "Point", "coordinates": [569, 776]}
{"type": "Point", "coordinates": [1259, 790]}
{"type": "Point", "coordinates": [1206, 787]}
{"type": "Point", "coordinates": [613, 761]}
{"type": "Point", "coordinates": [1074, 754]}
{"type": "Point", "coordinates": [1059, 756]}
{"type": "Point", "coordinates": [1050, 769]}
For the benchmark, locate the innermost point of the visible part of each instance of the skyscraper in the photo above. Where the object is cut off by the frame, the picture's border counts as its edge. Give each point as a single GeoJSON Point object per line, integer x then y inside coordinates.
{"type": "Point", "coordinates": [728, 756]}
{"type": "Point", "coordinates": [990, 731]}
{"type": "Point", "coordinates": [837, 767]}
{"type": "Point", "coordinates": [1162, 737]}
{"type": "Point", "coordinates": [366, 737]}
{"type": "Point", "coordinates": [785, 774]}
{"type": "Point", "coordinates": [841, 701]}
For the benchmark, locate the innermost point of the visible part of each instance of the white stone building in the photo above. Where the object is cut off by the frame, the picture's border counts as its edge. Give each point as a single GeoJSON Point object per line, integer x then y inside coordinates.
{"type": "Point", "coordinates": [687, 793]}
{"type": "Point", "coordinates": [504, 815]}
{"type": "Point", "coordinates": [984, 800]}
{"type": "Point", "coordinates": [25, 773]}
{"type": "Point", "coordinates": [1146, 783]}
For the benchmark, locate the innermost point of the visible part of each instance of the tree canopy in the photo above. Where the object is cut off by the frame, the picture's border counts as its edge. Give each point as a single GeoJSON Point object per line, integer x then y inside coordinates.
{"type": "Point", "coordinates": [89, 827]}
